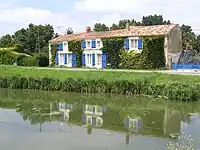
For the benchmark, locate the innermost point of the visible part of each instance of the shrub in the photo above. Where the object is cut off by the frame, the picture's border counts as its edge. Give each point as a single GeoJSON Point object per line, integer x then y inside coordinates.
{"type": "Point", "coordinates": [140, 86]}
{"type": "Point", "coordinates": [9, 57]}
{"type": "Point", "coordinates": [27, 61]}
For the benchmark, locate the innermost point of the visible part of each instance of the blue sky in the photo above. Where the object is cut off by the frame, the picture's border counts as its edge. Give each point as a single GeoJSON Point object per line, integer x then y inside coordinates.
{"type": "Point", "coordinates": [15, 14]}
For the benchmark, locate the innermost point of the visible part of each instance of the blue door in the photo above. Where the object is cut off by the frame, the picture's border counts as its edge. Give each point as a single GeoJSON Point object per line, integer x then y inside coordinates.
{"type": "Point", "coordinates": [73, 60]}
{"type": "Point", "coordinates": [104, 60]}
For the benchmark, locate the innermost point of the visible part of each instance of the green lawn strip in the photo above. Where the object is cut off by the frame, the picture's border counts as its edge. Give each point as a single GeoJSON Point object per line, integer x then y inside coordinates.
{"type": "Point", "coordinates": [107, 75]}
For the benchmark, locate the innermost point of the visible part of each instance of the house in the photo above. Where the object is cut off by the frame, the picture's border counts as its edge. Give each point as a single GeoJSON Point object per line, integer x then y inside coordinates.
{"type": "Point", "coordinates": [92, 115]}
{"type": "Point", "coordinates": [92, 44]}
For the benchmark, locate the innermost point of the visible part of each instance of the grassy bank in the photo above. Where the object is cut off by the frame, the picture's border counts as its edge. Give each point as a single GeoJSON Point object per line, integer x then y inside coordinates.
{"type": "Point", "coordinates": [106, 75]}
{"type": "Point", "coordinates": [173, 87]}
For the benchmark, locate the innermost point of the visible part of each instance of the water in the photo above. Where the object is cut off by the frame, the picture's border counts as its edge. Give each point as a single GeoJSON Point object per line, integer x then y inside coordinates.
{"type": "Point", "coordinates": [36, 120]}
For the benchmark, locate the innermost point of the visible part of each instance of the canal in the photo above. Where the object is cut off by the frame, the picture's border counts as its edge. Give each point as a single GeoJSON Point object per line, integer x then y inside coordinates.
{"type": "Point", "coordinates": [38, 120]}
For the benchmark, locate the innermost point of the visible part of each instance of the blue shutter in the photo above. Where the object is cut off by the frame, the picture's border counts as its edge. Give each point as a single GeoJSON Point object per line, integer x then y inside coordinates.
{"type": "Point", "coordinates": [93, 43]}
{"type": "Point", "coordinates": [84, 107]}
{"type": "Point", "coordinates": [65, 58]}
{"type": "Point", "coordinates": [93, 121]}
{"type": "Point", "coordinates": [83, 44]}
{"type": "Point", "coordinates": [56, 58]}
{"type": "Point", "coordinates": [104, 60]}
{"type": "Point", "coordinates": [93, 59]}
{"type": "Point", "coordinates": [126, 123]}
{"type": "Point", "coordinates": [60, 46]}
{"type": "Point", "coordinates": [83, 59]}
{"type": "Point", "coordinates": [83, 118]}
{"type": "Point", "coordinates": [73, 60]}
{"type": "Point", "coordinates": [127, 44]}
{"type": "Point", "coordinates": [139, 43]}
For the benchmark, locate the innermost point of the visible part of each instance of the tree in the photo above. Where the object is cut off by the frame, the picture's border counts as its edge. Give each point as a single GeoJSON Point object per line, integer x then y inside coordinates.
{"type": "Point", "coordinates": [34, 38]}
{"type": "Point", "coordinates": [188, 37]}
{"type": "Point", "coordinates": [98, 27]}
{"type": "Point", "coordinates": [6, 41]}
{"type": "Point", "coordinates": [122, 24]}
{"type": "Point", "coordinates": [69, 31]}
{"type": "Point", "coordinates": [154, 20]}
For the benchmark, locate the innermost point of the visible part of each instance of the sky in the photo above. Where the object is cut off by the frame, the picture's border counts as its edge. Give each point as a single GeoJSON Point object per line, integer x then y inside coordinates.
{"type": "Point", "coordinates": [16, 14]}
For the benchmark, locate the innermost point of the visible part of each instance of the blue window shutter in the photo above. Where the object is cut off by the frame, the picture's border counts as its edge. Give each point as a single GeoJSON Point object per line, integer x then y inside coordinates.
{"type": "Point", "coordinates": [104, 60]}
{"type": "Point", "coordinates": [127, 44]}
{"type": "Point", "coordinates": [93, 43]}
{"type": "Point", "coordinates": [73, 60]}
{"type": "Point", "coordinates": [93, 59]}
{"type": "Point", "coordinates": [83, 44]}
{"type": "Point", "coordinates": [83, 118]}
{"type": "Point", "coordinates": [83, 59]}
{"type": "Point", "coordinates": [56, 58]}
{"type": "Point", "coordinates": [65, 58]}
{"type": "Point", "coordinates": [60, 46]}
{"type": "Point", "coordinates": [126, 123]}
{"type": "Point", "coordinates": [139, 43]}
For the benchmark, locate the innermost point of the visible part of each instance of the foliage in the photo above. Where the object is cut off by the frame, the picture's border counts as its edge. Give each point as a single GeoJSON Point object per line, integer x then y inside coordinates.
{"type": "Point", "coordinates": [100, 27]}
{"type": "Point", "coordinates": [151, 57]}
{"type": "Point", "coordinates": [113, 47]}
{"type": "Point", "coordinates": [153, 52]}
{"type": "Point", "coordinates": [131, 60]}
{"type": "Point", "coordinates": [10, 57]}
{"type": "Point", "coordinates": [75, 47]}
{"type": "Point", "coordinates": [6, 41]}
{"type": "Point", "coordinates": [141, 86]}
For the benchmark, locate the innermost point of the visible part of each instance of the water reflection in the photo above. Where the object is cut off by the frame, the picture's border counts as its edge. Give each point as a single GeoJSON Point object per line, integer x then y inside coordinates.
{"type": "Point", "coordinates": [152, 119]}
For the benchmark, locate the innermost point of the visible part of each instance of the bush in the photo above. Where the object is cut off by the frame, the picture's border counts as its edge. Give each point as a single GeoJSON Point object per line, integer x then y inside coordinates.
{"type": "Point", "coordinates": [140, 86]}
{"type": "Point", "coordinates": [10, 57]}
{"type": "Point", "coordinates": [27, 61]}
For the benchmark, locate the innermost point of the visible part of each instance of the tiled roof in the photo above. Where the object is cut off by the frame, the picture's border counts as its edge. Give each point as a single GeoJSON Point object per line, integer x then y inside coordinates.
{"type": "Point", "coordinates": [157, 30]}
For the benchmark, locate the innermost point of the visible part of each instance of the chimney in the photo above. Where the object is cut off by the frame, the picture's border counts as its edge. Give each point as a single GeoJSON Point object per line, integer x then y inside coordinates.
{"type": "Point", "coordinates": [88, 29]}
{"type": "Point", "coordinates": [127, 26]}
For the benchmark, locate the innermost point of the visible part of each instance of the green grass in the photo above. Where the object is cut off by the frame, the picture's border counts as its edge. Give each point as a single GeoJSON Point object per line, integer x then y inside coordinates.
{"type": "Point", "coordinates": [106, 75]}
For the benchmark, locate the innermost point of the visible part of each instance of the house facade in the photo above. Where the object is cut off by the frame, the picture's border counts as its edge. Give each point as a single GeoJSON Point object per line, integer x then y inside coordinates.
{"type": "Point", "coordinates": [91, 43]}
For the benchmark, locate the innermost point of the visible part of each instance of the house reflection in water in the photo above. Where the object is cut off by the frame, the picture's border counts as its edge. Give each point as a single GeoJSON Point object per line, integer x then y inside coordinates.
{"type": "Point", "coordinates": [92, 116]}
{"type": "Point", "coordinates": [133, 125]}
{"type": "Point", "coordinates": [64, 110]}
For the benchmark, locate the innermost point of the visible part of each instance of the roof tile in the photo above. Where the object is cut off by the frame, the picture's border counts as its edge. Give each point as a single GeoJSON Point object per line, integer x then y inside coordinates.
{"type": "Point", "coordinates": [156, 30]}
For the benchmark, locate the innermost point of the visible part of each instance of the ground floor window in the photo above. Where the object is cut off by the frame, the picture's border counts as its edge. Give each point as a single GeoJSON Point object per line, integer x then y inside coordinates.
{"type": "Point", "coordinates": [99, 59]}
{"type": "Point", "coordinates": [89, 59]}
{"type": "Point", "coordinates": [69, 60]}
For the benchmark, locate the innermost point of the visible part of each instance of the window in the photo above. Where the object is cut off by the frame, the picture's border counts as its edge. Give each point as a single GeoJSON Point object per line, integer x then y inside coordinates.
{"type": "Point", "coordinates": [65, 46]}
{"type": "Point", "coordinates": [134, 44]}
{"type": "Point", "coordinates": [88, 44]}
{"type": "Point", "coordinates": [98, 44]}
{"type": "Point", "coordinates": [69, 59]}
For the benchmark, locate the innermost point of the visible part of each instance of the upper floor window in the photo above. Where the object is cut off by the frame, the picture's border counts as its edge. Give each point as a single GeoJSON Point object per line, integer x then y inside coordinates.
{"type": "Point", "coordinates": [88, 44]}
{"type": "Point", "coordinates": [98, 44]}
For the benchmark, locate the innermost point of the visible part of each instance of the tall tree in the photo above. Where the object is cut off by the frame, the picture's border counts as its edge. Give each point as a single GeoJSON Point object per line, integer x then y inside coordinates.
{"type": "Point", "coordinates": [98, 27]}
{"type": "Point", "coordinates": [6, 41]}
{"type": "Point", "coordinates": [154, 20]}
{"type": "Point", "coordinates": [69, 31]}
{"type": "Point", "coordinates": [34, 38]}
{"type": "Point", "coordinates": [122, 24]}
{"type": "Point", "coordinates": [188, 37]}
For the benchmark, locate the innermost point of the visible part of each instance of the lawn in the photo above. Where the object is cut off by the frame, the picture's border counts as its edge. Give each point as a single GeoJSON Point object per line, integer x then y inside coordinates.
{"type": "Point", "coordinates": [63, 74]}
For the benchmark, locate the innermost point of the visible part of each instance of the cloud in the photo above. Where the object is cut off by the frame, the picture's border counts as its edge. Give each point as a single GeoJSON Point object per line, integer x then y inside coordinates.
{"type": "Point", "coordinates": [15, 17]}
{"type": "Point", "coordinates": [178, 11]}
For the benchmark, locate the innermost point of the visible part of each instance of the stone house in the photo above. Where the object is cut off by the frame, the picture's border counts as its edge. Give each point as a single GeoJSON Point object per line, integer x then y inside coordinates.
{"type": "Point", "coordinates": [91, 44]}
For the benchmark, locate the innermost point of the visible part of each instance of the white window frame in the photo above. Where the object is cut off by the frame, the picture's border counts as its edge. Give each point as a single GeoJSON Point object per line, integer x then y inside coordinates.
{"type": "Point", "coordinates": [90, 45]}
{"type": "Point", "coordinates": [135, 47]}
{"type": "Point", "coordinates": [65, 46]}
{"type": "Point", "coordinates": [98, 46]}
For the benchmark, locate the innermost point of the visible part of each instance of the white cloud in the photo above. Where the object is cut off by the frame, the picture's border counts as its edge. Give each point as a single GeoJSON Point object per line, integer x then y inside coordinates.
{"type": "Point", "coordinates": [15, 17]}
{"type": "Point", "coordinates": [178, 11]}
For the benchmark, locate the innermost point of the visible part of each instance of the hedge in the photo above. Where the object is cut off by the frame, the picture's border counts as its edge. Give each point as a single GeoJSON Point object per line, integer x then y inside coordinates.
{"type": "Point", "coordinates": [10, 57]}
{"type": "Point", "coordinates": [140, 86]}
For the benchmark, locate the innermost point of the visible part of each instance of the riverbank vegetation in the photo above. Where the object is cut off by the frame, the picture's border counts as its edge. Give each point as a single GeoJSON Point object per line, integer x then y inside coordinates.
{"type": "Point", "coordinates": [173, 87]}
